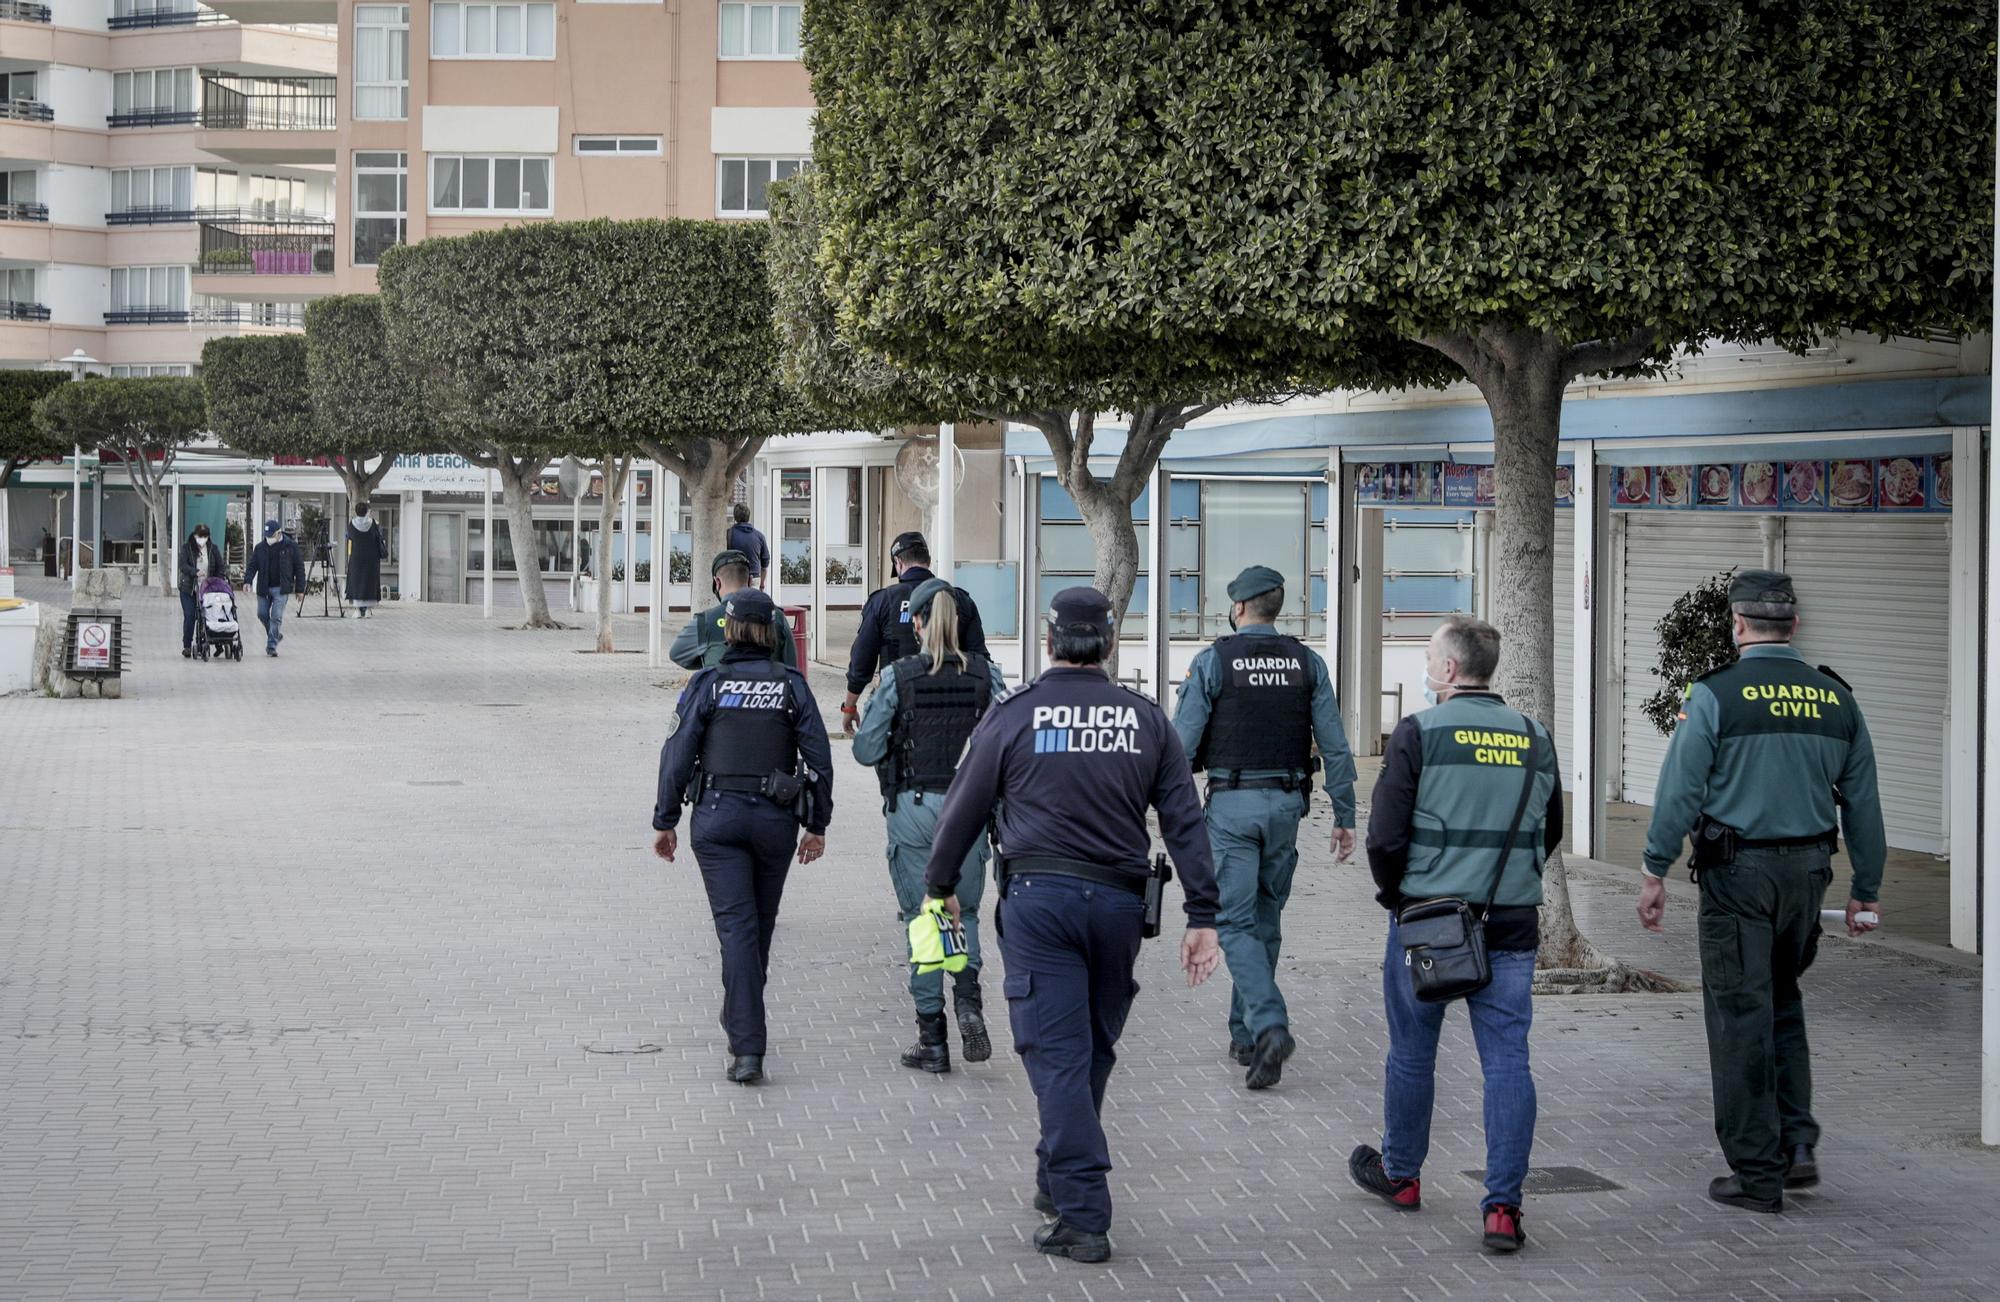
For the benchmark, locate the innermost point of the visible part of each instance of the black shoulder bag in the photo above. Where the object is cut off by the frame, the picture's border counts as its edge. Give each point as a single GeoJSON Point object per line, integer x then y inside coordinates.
{"type": "Point", "coordinates": [1444, 944]}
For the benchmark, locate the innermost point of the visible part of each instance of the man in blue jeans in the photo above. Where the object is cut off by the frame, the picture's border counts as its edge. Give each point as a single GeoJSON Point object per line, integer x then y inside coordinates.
{"type": "Point", "coordinates": [274, 571]}
{"type": "Point", "coordinates": [1468, 806]}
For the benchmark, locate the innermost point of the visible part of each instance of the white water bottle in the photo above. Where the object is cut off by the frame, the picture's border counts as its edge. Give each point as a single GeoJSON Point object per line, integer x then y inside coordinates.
{"type": "Point", "coordinates": [1838, 918]}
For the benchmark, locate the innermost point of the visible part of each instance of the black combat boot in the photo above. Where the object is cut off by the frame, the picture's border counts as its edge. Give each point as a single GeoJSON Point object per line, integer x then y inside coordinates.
{"type": "Point", "coordinates": [931, 1052]}
{"type": "Point", "coordinates": [973, 1039]}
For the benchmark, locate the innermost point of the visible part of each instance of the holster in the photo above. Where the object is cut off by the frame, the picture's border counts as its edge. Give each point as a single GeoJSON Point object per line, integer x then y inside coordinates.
{"type": "Point", "coordinates": [1712, 845]}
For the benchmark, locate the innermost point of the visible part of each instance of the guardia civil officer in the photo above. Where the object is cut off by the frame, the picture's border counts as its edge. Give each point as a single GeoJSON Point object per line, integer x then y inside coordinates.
{"type": "Point", "coordinates": [1250, 710]}
{"type": "Point", "coordinates": [700, 645]}
{"type": "Point", "coordinates": [885, 635]}
{"type": "Point", "coordinates": [1073, 761]}
{"type": "Point", "coordinates": [748, 750]}
{"type": "Point", "coordinates": [912, 733]}
{"type": "Point", "coordinates": [1766, 752]}
{"type": "Point", "coordinates": [1468, 807]}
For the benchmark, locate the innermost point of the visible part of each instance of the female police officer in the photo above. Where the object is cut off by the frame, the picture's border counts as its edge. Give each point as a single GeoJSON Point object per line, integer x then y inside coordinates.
{"type": "Point", "coordinates": [733, 750]}
{"type": "Point", "coordinates": [913, 732]}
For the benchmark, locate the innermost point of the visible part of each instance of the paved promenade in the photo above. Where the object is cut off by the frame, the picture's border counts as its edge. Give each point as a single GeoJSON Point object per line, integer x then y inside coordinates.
{"type": "Point", "coordinates": [349, 975]}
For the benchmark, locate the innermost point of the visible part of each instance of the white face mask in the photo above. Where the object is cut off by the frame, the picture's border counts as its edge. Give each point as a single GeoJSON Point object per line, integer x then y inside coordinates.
{"type": "Point", "coordinates": [1432, 687]}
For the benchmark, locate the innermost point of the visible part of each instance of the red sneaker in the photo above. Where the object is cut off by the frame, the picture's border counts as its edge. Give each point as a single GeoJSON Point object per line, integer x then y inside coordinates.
{"type": "Point", "coordinates": [1503, 1229]}
{"type": "Point", "coordinates": [1365, 1165]}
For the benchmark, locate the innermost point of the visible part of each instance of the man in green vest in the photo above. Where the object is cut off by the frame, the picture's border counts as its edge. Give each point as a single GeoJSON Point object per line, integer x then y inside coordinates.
{"type": "Point", "coordinates": [1250, 710]}
{"type": "Point", "coordinates": [1468, 806]}
{"type": "Point", "coordinates": [700, 644]}
{"type": "Point", "coordinates": [1767, 753]}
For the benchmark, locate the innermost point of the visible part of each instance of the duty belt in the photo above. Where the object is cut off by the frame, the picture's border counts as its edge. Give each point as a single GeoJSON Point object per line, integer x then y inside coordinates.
{"type": "Point", "coordinates": [1050, 866]}
{"type": "Point", "coordinates": [1290, 782]}
{"type": "Point", "coordinates": [733, 782]}
{"type": "Point", "coordinates": [1829, 839]}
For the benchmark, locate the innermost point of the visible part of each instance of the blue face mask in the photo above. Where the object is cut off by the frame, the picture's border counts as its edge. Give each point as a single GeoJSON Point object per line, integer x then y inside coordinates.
{"type": "Point", "coordinates": [1430, 692]}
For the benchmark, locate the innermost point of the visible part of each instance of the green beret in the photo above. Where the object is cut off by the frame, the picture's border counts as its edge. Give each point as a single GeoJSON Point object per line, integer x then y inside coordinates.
{"type": "Point", "coordinates": [1254, 582]}
{"type": "Point", "coordinates": [1763, 587]}
{"type": "Point", "coordinates": [728, 558]}
{"type": "Point", "coordinates": [925, 593]}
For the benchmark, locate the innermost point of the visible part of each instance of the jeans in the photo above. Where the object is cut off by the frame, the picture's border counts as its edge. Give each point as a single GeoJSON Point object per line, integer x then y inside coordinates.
{"type": "Point", "coordinates": [190, 612]}
{"type": "Point", "coordinates": [1501, 1015]}
{"type": "Point", "coordinates": [912, 825]}
{"type": "Point", "coordinates": [271, 610]}
{"type": "Point", "coordinates": [1254, 836]}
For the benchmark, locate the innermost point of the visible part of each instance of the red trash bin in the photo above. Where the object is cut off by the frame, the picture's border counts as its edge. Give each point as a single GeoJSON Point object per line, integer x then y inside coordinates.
{"type": "Point", "coordinates": [796, 617]}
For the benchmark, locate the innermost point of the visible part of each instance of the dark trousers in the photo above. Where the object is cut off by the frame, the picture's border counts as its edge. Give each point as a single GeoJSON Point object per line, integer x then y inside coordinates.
{"type": "Point", "coordinates": [1070, 946]}
{"type": "Point", "coordinates": [190, 612]}
{"type": "Point", "coordinates": [1759, 932]}
{"type": "Point", "coordinates": [744, 845]}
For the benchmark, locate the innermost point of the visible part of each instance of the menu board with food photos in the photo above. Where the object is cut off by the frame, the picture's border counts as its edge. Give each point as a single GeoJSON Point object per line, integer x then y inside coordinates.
{"type": "Point", "coordinates": [1894, 484]}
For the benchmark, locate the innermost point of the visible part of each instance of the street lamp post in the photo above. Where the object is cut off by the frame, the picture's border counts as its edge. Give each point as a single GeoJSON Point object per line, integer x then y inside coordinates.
{"type": "Point", "coordinates": [79, 363]}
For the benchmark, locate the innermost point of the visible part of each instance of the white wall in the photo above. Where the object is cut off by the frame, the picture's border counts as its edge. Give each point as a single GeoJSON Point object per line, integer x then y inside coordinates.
{"type": "Point", "coordinates": [79, 96]}
{"type": "Point", "coordinates": [76, 196]}
{"type": "Point", "coordinates": [75, 295]}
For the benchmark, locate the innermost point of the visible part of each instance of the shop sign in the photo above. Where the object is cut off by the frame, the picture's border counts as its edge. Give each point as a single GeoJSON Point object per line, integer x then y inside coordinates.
{"type": "Point", "coordinates": [434, 472]}
{"type": "Point", "coordinates": [1859, 484]}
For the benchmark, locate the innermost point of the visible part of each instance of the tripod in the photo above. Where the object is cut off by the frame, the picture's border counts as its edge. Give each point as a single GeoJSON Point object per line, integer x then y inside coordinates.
{"type": "Point", "coordinates": [331, 606]}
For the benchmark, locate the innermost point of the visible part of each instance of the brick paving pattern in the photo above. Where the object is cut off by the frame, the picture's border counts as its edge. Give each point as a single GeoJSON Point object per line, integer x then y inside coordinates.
{"type": "Point", "coordinates": [302, 962]}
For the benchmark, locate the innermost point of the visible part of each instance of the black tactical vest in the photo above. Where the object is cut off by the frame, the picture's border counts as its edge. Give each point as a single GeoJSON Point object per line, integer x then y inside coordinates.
{"type": "Point", "coordinates": [935, 713]}
{"type": "Point", "coordinates": [708, 636]}
{"type": "Point", "coordinates": [899, 638]}
{"type": "Point", "coordinates": [750, 730]}
{"type": "Point", "coordinates": [1262, 717]}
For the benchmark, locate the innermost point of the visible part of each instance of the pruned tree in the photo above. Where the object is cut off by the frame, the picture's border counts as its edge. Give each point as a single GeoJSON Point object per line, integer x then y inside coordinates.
{"type": "Point", "coordinates": [1535, 190]}
{"type": "Point", "coordinates": [602, 336]}
{"type": "Point", "coordinates": [140, 423]}
{"type": "Point", "coordinates": [20, 440]}
{"type": "Point", "coordinates": [365, 403]}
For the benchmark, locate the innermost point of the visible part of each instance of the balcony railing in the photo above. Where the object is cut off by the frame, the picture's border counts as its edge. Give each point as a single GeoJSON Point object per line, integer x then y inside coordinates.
{"type": "Point", "coordinates": [168, 18]}
{"type": "Point", "coordinates": [15, 12]}
{"type": "Point", "coordinates": [26, 110]}
{"type": "Point", "coordinates": [146, 316]}
{"type": "Point", "coordinates": [155, 117]}
{"type": "Point", "coordinates": [168, 216]}
{"type": "Point", "coordinates": [275, 315]}
{"type": "Point", "coordinates": [267, 104]}
{"type": "Point", "coordinates": [24, 212]}
{"type": "Point", "coordinates": [12, 310]}
{"type": "Point", "coordinates": [267, 248]}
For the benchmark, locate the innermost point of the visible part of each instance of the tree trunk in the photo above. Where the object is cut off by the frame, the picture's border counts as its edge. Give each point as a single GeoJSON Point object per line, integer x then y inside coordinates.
{"type": "Point", "coordinates": [359, 481]}
{"type": "Point", "coordinates": [516, 480]}
{"type": "Point", "coordinates": [1114, 542]}
{"type": "Point", "coordinates": [1524, 391]}
{"type": "Point", "coordinates": [616, 471]}
{"type": "Point", "coordinates": [708, 470]}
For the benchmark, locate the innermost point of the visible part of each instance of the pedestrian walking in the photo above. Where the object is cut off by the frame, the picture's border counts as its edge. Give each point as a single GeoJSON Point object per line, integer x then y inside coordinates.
{"type": "Point", "coordinates": [1467, 809]}
{"type": "Point", "coordinates": [747, 748]}
{"type": "Point", "coordinates": [275, 571]}
{"type": "Point", "coordinates": [700, 643]}
{"type": "Point", "coordinates": [200, 560]}
{"type": "Point", "coordinates": [912, 733]}
{"type": "Point", "coordinates": [885, 635]}
{"type": "Point", "coordinates": [1766, 753]}
{"type": "Point", "coordinates": [1250, 710]}
{"type": "Point", "coordinates": [748, 539]}
{"type": "Point", "coordinates": [1072, 762]}
{"type": "Point", "coordinates": [367, 548]}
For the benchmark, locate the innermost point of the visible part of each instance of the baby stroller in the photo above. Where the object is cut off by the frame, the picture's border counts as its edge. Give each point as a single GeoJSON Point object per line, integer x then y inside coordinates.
{"type": "Point", "coordinates": [217, 631]}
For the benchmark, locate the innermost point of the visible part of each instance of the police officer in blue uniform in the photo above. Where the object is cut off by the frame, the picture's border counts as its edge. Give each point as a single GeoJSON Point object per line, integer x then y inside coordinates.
{"type": "Point", "coordinates": [885, 635]}
{"type": "Point", "coordinates": [1073, 761]}
{"type": "Point", "coordinates": [700, 644]}
{"type": "Point", "coordinates": [748, 749]}
{"type": "Point", "coordinates": [1249, 712]}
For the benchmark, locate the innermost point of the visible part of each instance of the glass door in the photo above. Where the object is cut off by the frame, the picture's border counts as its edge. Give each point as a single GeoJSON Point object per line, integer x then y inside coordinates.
{"type": "Point", "coordinates": [840, 555]}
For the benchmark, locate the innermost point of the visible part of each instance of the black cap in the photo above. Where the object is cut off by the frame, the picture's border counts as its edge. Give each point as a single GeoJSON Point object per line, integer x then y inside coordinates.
{"type": "Point", "coordinates": [751, 606]}
{"type": "Point", "coordinates": [926, 592]}
{"type": "Point", "coordinates": [730, 557]}
{"type": "Point", "coordinates": [1080, 610]}
{"type": "Point", "coordinates": [905, 541]}
{"type": "Point", "coordinates": [1762, 587]}
{"type": "Point", "coordinates": [1255, 582]}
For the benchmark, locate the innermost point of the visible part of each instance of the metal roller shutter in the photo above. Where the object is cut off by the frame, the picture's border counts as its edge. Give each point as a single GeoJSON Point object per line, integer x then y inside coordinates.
{"type": "Point", "coordinates": [1873, 607]}
{"type": "Point", "coordinates": [1565, 636]}
{"type": "Point", "coordinates": [1664, 555]}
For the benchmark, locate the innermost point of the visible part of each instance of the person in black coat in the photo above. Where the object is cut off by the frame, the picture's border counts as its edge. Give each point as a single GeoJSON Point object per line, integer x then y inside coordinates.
{"type": "Point", "coordinates": [367, 548]}
{"type": "Point", "coordinates": [200, 560]}
{"type": "Point", "coordinates": [275, 570]}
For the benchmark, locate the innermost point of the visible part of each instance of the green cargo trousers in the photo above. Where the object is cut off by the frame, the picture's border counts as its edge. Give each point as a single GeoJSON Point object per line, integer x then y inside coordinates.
{"type": "Point", "coordinates": [1759, 933]}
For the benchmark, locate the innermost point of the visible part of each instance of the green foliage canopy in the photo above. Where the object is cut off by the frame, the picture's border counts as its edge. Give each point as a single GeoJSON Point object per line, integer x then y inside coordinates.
{"type": "Point", "coordinates": [20, 439]}
{"type": "Point", "coordinates": [126, 417]}
{"type": "Point", "coordinates": [364, 401]}
{"type": "Point", "coordinates": [1694, 640]}
{"type": "Point", "coordinates": [256, 391]}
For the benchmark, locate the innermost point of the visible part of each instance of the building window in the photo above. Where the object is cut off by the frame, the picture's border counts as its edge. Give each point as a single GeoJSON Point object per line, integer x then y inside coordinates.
{"type": "Point", "coordinates": [19, 285]}
{"type": "Point", "coordinates": [743, 184]}
{"type": "Point", "coordinates": [18, 197]}
{"type": "Point", "coordinates": [624, 146]}
{"type": "Point", "coordinates": [493, 31]}
{"type": "Point", "coordinates": [158, 194]}
{"type": "Point", "coordinates": [1067, 557]}
{"type": "Point", "coordinates": [760, 31]}
{"type": "Point", "coordinates": [381, 203]}
{"type": "Point", "coordinates": [503, 187]}
{"type": "Point", "coordinates": [148, 296]}
{"type": "Point", "coordinates": [382, 62]}
{"type": "Point", "coordinates": [182, 369]}
{"type": "Point", "coordinates": [153, 98]}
